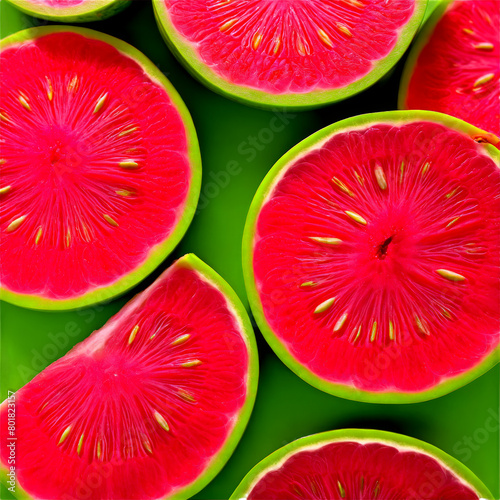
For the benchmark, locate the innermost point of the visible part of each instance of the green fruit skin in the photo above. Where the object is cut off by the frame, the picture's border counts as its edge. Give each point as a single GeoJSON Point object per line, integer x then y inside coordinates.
{"type": "Point", "coordinates": [191, 261]}
{"type": "Point", "coordinates": [388, 438]}
{"type": "Point", "coordinates": [91, 10]}
{"type": "Point", "coordinates": [432, 5]}
{"type": "Point", "coordinates": [344, 391]}
{"type": "Point", "coordinates": [188, 57]}
{"type": "Point", "coordinates": [160, 251]}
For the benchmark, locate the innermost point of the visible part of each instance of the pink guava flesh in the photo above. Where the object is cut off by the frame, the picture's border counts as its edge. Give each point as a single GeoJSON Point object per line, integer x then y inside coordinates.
{"type": "Point", "coordinates": [458, 69]}
{"type": "Point", "coordinates": [95, 167]}
{"type": "Point", "coordinates": [140, 408]}
{"type": "Point", "coordinates": [376, 257]}
{"type": "Point", "coordinates": [352, 470]}
{"type": "Point", "coordinates": [290, 46]}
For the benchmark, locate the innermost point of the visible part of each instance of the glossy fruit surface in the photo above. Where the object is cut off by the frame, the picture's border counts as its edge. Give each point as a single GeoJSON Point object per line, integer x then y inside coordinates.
{"type": "Point", "coordinates": [454, 66]}
{"type": "Point", "coordinates": [149, 406]}
{"type": "Point", "coordinates": [354, 464]}
{"type": "Point", "coordinates": [100, 167]}
{"type": "Point", "coordinates": [371, 255]}
{"type": "Point", "coordinates": [288, 53]}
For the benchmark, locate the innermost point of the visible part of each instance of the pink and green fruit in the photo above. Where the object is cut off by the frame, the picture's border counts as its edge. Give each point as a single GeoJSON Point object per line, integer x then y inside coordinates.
{"type": "Point", "coordinates": [100, 167]}
{"type": "Point", "coordinates": [354, 464]}
{"type": "Point", "coordinates": [454, 66]}
{"type": "Point", "coordinates": [371, 256]}
{"type": "Point", "coordinates": [77, 11]}
{"type": "Point", "coordinates": [150, 406]}
{"type": "Point", "coordinates": [296, 54]}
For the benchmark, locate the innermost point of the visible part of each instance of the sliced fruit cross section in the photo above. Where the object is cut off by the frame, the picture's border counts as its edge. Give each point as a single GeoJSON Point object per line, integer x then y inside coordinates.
{"type": "Point", "coordinates": [149, 406]}
{"type": "Point", "coordinates": [293, 53]}
{"type": "Point", "coordinates": [371, 256]}
{"type": "Point", "coordinates": [454, 66]}
{"type": "Point", "coordinates": [356, 464]}
{"type": "Point", "coordinates": [100, 167]}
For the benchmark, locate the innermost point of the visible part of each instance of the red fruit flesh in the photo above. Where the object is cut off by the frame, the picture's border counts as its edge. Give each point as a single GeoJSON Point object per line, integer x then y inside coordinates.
{"type": "Point", "coordinates": [284, 46]}
{"type": "Point", "coordinates": [376, 256]}
{"type": "Point", "coordinates": [458, 69]}
{"type": "Point", "coordinates": [94, 159]}
{"type": "Point", "coordinates": [140, 409]}
{"type": "Point", "coordinates": [356, 471]}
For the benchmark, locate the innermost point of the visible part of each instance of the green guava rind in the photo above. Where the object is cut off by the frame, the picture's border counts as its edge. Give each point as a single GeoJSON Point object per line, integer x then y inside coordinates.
{"type": "Point", "coordinates": [267, 185]}
{"type": "Point", "coordinates": [432, 5]}
{"type": "Point", "coordinates": [191, 261]}
{"type": "Point", "coordinates": [188, 57]}
{"type": "Point", "coordinates": [389, 438]}
{"type": "Point", "coordinates": [421, 40]}
{"type": "Point", "coordinates": [90, 10]}
{"type": "Point", "coordinates": [160, 251]}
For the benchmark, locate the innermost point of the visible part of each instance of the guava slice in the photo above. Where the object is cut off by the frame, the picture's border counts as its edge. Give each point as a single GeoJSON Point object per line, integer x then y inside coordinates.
{"type": "Point", "coordinates": [100, 167]}
{"type": "Point", "coordinates": [355, 464]}
{"type": "Point", "coordinates": [371, 256]}
{"type": "Point", "coordinates": [454, 66]}
{"type": "Point", "coordinates": [77, 11]}
{"type": "Point", "coordinates": [289, 53]}
{"type": "Point", "coordinates": [150, 406]}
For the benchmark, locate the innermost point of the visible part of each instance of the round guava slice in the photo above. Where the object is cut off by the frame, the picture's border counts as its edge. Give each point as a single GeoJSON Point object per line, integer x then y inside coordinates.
{"type": "Point", "coordinates": [150, 406]}
{"type": "Point", "coordinates": [293, 53]}
{"type": "Point", "coordinates": [100, 167]}
{"type": "Point", "coordinates": [355, 464]}
{"type": "Point", "coordinates": [454, 66]}
{"type": "Point", "coordinates": [77, 11]}
{"type": "Point", "coordinates": [371, 256]}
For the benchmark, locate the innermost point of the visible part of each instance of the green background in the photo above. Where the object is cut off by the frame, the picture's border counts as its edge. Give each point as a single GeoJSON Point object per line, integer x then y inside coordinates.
{"type": "Point", "coordinates": [464, 423]}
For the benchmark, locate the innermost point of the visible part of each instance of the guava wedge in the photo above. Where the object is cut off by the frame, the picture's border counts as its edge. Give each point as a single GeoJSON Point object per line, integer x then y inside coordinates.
{"type": "Point", "coordinates": [100, 167]}
{"type": "Point", "coordinates": [288, 53]}
{"type": "Point", "coordinates": [454, 66]}
{"type": "Point", "coordinates": [356, 464]}
{"type": "Point", "coordinates": [371, 256]}
{"type": "Point", "coordinates": [77, 11]}
{"type": "Point", "coordinates": [150, 406]}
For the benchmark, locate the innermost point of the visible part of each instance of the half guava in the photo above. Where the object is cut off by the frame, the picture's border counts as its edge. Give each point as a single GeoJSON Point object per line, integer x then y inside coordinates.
{"type": "Point", "coordinates": [77, 11]}
{"type": "Point", "coordinates": [100, 167]}
{"type": "Point", "coordinates": [355, 464]}
{"type": "Point", "coordinates": [288, 53]}
{"type": "Point", "coordinates": [150, 406]}
{"type": "Point", "coordinates": [454, 66]}
{"type": "Point", "coordinates": [371, 256]}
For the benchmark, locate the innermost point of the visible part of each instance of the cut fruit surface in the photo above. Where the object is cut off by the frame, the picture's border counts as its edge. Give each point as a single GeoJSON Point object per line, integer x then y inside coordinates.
{"type": "Point", "coordinates": [150, 406]}
{"type": "Point", "coordinates": [100, 167]}
{"type": "Point", "coordinates": [289, 53]}
{"type": "Point", "coordinates": [355, 464]}
{"type": "Point", "coordinates": [454, 67]}
{"type": "Point", "coordinates": [71, 10]}
{"type": "Point", "coordinates": [371, 256]}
